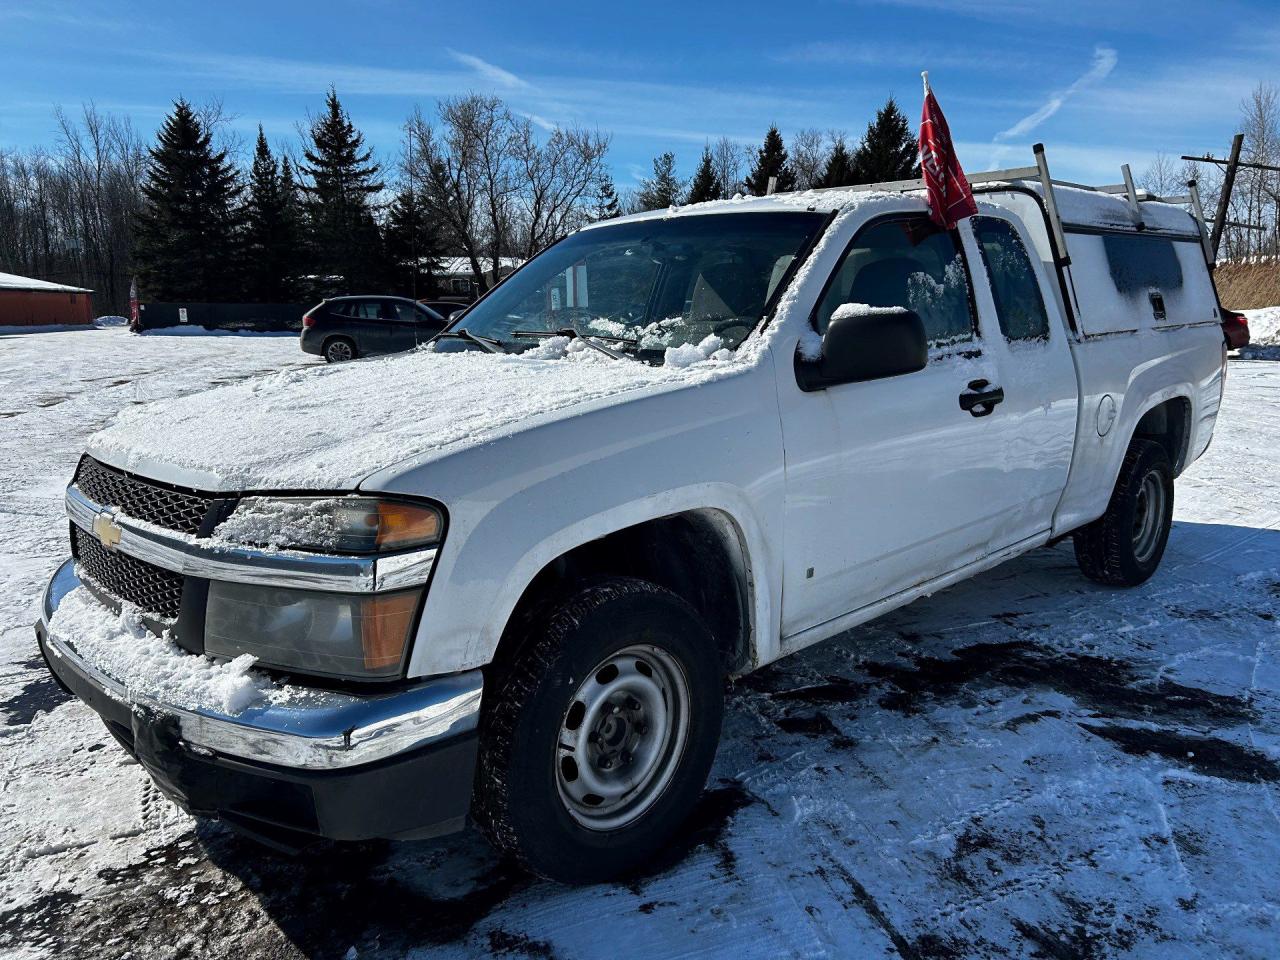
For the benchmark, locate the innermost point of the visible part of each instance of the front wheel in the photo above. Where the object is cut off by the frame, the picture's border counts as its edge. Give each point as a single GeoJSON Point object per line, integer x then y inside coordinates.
{"type": "Point", "coordinates": [600, 731]}
{"type": "Point", "coordinates": [1123, 547]}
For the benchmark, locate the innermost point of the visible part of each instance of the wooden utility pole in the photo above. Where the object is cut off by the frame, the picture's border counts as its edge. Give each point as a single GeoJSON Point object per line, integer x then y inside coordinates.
{"type": "Point", "coordinates": [1228, 182]}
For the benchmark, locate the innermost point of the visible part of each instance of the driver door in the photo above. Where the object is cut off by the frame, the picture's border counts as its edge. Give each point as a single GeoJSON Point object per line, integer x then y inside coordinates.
{"type": "Point", "coordinates": [889, 482]}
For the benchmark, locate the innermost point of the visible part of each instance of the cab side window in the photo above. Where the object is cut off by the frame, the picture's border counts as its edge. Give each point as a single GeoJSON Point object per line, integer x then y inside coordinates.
{"type": "Point", "coordinates": [906, 262]}
{"type": "Point", "coordinates": [1019, 305]}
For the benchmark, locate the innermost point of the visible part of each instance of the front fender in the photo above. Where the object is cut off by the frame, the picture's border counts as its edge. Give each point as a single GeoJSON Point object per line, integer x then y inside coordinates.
{"type": "Point", "coordinates": [519, 502]}
{"type": "Point", "coordinates": [728, 502]}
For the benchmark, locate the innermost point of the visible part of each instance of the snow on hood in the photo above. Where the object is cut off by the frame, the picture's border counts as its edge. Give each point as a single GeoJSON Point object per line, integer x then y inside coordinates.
{"type": "Point", "coordinates": [327, 428]}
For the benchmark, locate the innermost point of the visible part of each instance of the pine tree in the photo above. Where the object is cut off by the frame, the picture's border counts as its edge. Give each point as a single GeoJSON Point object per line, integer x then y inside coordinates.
{"type": "Point", "coordinates": [889, 151]}
{"type": "Point", "coordinates": [664, 188]}
{"type": "Point", "coordinates": [706, 185]}
{"type": "Point", "coordinates": [413, 243]}
{"type": "Point", "coordinates": [606, 205]}
{"type": "Point", "coordinates": [771, 161]}
{"type": "Point", "coordinates": [293, 216]}
{"type": "Point", "coordinates": [190, 226]}
{"type": "Point", "coordinates": [340, 208]}
{"type": "Point", "coordinates": [839, 169]}
{"type": "Point", "coordinates": [271, 234]}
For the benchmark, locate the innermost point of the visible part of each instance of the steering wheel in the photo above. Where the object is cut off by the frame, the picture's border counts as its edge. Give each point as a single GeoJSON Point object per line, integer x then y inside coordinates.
{"type": "Point", "coordinates": [723, 325]}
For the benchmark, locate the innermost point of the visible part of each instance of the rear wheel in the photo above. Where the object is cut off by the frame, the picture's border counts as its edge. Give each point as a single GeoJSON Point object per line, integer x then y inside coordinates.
{"type": "Point", "coordinates": [1124, 546]}
{"type": "Point", "coordinates": [599, 732]}
{"type": "Point", "coordinates": [339, 349]}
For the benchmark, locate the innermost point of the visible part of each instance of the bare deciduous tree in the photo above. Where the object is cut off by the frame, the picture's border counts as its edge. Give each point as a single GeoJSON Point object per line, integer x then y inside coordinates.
{"type": "Point", "coordinates": [68, 215]}
{"type": "Point", "coordinates": [808, 149]}
{"type": "Point", "coordinates": [730, 159]}
{"type": "Point", "coordinates": [496, 189]}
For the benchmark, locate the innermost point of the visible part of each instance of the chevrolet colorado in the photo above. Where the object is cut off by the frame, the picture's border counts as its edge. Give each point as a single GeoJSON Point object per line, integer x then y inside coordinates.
{"type": "Point", "coordinates": [502, 578]}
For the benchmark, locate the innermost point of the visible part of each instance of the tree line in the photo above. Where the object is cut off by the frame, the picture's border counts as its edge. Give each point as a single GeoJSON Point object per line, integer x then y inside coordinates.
{"type": "Point", "coordinates": [886, 152]}
{"type": "Point", "coordinates": [474, 180]}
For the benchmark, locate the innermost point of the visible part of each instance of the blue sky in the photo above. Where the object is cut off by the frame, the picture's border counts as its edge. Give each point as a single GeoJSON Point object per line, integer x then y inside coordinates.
{"type": "Point", "coordinates": [1099, 81]}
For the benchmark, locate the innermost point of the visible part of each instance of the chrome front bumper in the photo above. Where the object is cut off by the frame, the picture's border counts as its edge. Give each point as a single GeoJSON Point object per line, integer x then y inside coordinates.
{"type": "Point", "coordinates": [323, 731]}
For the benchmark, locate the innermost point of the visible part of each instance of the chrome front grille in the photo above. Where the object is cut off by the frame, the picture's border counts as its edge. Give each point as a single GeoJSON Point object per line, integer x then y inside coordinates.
{"type": "Point", "coordinates": [141, 499]}
{"type": "Point", "coordinates": [156, 591]}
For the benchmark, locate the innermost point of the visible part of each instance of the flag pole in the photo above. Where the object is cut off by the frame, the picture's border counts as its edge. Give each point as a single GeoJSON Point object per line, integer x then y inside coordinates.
{"type": "Point", "coordinates": [924, 75]}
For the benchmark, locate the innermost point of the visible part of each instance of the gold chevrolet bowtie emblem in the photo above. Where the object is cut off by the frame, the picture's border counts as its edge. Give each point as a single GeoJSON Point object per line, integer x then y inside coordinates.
{"type": "Point", "coordinates": [106, 530]}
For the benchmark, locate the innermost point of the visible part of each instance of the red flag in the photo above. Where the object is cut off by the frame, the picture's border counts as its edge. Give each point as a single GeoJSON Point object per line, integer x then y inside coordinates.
{"type": "Point", "coordinates": [950, 198]}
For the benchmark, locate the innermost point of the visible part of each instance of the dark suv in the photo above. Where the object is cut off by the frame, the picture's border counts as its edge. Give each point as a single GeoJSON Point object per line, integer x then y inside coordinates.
{"type": "Point", "coordinates": [348, 327]}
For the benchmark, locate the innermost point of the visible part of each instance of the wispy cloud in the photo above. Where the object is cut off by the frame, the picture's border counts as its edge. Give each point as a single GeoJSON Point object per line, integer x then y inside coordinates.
{"type": "Point", "coordinates": [1104, 61]}
{"type": "Point", "coordinates": [916, 57]}
{"type": "Point", "coordinates": [540, 121]}
{"type": "Point", "coordinates": [489, 71]}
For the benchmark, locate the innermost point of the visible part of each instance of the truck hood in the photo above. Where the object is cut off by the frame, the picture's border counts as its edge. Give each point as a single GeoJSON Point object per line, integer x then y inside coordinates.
{"type": "Point", "coordinates": [327, 428]}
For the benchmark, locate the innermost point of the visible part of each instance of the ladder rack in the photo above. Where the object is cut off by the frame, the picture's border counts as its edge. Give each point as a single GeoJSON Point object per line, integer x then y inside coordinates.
{"type": "Point", "coordinates": [1040, 172]}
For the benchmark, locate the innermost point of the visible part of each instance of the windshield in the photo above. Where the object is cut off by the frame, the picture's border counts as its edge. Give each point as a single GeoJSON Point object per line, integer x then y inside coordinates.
{"type": "Point", "coordinates": [647, 285]}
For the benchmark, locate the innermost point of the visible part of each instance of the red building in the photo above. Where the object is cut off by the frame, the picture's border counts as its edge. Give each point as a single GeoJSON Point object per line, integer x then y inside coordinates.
{"type": "Point", "coordinates": [33, 303]}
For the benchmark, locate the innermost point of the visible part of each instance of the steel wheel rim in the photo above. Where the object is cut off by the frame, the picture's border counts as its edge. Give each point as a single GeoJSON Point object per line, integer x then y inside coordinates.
{"type": "Point", "coordinates": [338, 350]}
{"type": "Point", "coordinates": [1148, 517]}
{"type": "Point", "coordinates": [622, 737]}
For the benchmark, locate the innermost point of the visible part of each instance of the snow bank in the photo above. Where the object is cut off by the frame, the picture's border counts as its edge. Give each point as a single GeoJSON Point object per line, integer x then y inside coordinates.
{"type": "Point", "coordinates": [1264, 326]}
{"type": "Point", "coordinates": [123, 649]}
{"type": "Point", "coordinates": [205, 332]}
{"type": "Point", "coordinates": [1264, 334]}
{"type": "Point", "coordinates": [105, 323]}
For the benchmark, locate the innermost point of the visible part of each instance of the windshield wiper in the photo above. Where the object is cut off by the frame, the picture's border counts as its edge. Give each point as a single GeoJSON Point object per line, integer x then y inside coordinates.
{"type": "Point", "coordinates": [487, 343]}
{"type": "Point", "coordinates": [586, 338]}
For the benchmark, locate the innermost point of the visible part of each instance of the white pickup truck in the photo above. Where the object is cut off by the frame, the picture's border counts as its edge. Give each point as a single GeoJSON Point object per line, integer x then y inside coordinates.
{"type": "Point", "coordinates": [504, 577]}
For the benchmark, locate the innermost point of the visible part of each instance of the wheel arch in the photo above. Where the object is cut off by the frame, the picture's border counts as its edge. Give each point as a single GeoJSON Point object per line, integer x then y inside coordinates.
{"type": "Point", "coordinates": [331, 337]}
{"type": "Point", "coordinates": [1168, 423]}
{"type": "Point", "coordinates": [700, 553]}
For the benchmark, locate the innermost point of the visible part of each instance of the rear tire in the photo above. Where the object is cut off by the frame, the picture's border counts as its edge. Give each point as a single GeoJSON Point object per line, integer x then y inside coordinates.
{"type": "Point", "coordinates": [599, 732]}
{"type": "Point", "coordinates": [339, 350]}
{"type": "Point", "coordinates": [1123, 547]}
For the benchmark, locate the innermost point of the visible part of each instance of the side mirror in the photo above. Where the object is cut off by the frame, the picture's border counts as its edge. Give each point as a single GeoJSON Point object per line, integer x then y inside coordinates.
{"type": "Point", "coordinates": [867, 344]}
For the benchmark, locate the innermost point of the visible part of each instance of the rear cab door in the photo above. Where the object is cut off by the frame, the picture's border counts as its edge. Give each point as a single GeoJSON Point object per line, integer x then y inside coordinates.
{"type": "Point", "coordinates": [1026, 338]}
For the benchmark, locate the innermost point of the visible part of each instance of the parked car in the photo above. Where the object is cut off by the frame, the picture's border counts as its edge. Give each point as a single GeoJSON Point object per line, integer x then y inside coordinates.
{"type": "Point", "coordinates": [344, 328]}
{"type": "Point", "coordinates": [505, 578]}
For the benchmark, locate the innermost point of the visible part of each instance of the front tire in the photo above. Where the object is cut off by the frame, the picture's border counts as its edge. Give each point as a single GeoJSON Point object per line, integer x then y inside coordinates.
{"type": "Point", "coordinates": [599, 732]}
{"type": "Point", "coordinates": [1123, 547]}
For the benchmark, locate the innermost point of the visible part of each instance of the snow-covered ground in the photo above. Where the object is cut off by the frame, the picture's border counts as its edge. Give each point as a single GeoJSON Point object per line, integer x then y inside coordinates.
{"type": "Point", "coordinates": [1264, 334]}
{"type": "Point", "coordinates": [1024, 765]}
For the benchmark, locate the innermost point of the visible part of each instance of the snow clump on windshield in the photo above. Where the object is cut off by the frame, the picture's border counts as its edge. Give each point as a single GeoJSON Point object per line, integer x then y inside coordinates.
{"type": "Point", "coordinates": [687, 354]}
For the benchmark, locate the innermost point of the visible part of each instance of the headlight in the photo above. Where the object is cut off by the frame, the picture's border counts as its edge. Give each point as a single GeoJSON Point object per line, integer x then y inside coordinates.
{"type": "Point", "coordinates": [332, 524]}
{"type": "Point", "coordinates": [362, 636]}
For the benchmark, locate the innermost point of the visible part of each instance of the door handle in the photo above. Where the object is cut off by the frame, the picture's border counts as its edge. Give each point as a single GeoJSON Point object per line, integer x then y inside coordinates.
{"type": "Point", "coordinates": [980, 398]}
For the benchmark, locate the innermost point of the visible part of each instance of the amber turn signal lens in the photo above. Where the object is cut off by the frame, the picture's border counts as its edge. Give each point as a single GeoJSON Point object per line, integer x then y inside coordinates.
{"type": "Point", "coordinates": [406, 524]}
{"type": "Point", "coordinates": [385, 621]}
